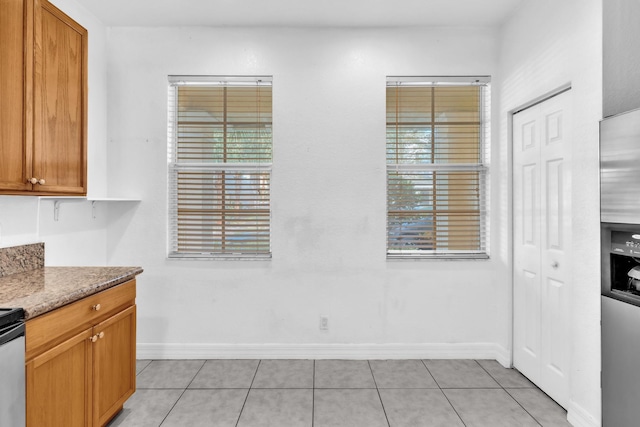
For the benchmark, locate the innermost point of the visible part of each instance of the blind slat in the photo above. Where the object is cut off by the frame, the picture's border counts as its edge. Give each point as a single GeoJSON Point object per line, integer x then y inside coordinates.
{"type": "Point", "coordinates": [220, 155]}
{"type": "Point", "coordinates": [436, 177]}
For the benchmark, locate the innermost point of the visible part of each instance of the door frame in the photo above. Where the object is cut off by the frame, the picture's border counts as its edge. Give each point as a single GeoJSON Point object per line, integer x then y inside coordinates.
{"type": "Point", "coordinates": [510, 113]}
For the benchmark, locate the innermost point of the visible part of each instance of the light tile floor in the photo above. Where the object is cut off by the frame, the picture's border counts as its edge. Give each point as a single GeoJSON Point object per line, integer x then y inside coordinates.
{"type": "Point", "coordinates": [335, 393]}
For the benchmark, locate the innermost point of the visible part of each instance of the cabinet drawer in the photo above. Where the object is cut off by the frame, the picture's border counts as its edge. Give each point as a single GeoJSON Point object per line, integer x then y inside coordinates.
{"type": "Point", "coordinates": [52, 328]}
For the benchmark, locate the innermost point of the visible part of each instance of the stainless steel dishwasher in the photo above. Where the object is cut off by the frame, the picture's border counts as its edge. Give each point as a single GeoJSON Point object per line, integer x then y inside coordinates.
{"type": "Point", "coordinates": [12, 386]}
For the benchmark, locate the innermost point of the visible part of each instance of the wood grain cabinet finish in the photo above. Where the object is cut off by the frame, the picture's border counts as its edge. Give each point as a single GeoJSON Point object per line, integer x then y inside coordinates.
{"type": "Point", "coordinates": [114, 364]}
{"type": "Point", "coordinates": [59, 384]}
{"type": "Point", "coordinates": [85, 371]}
{"type": "Point", "coordinates": [16, 95]}
{"type": "Point", "coordinates": [43, 87]}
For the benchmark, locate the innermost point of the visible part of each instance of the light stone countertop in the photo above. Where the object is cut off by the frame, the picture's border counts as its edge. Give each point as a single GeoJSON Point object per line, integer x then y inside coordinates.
{"type": "Point", "coordinates": [44, 289]}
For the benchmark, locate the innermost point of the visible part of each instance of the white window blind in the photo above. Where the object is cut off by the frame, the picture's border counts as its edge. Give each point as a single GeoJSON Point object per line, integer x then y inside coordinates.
{"type": "Point", "coordinates": [220, 153]}
{"type": "Point", "coordinates": [437, 143]}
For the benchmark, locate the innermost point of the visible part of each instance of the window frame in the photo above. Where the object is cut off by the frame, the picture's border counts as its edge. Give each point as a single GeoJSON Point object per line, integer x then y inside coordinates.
{"type": "Point", "coordinates": [481, 168]}
{"type": "Point", "coordinates": [175, 166]}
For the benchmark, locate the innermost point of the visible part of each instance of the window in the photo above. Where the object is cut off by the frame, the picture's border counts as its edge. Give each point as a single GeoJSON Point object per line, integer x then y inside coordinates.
{"type": "Point", "coordinates": [437, 138]}
{"type": "Point", "coordinates": [220, 153]}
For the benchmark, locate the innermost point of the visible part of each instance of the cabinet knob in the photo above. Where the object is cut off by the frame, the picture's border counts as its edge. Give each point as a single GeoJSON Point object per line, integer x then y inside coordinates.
{"type": "Point", "coordinates": [96, 307]}
{"type": "Point", "coordinates": [33, 180]}
{"type": "Point", "coordinates": [41, 181]}
{"type": "Point", "coordinates": [93, 338]}
{"type": "Point", "coordinates": [101, 335]}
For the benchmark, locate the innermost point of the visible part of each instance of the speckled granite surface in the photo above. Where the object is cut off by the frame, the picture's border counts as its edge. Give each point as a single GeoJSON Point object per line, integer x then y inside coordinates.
{"type": "Point", "coordinates": [44, 289]}
{"type": "Point", "coordinates": [18, 259]}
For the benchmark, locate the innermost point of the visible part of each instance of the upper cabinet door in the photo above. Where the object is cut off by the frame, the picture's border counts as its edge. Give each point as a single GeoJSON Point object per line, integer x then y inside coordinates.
{"type": "Point", "coordinates": [60, 102]}
{"type": "Point", "coordinates": [16, 72]}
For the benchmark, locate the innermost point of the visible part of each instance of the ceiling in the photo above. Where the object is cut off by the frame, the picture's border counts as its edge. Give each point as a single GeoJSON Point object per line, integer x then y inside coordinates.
{"type": "Point", "coordinates": [302, 13]}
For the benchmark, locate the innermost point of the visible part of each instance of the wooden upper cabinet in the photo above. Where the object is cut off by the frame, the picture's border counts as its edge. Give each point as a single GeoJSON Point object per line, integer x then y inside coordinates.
{"type": "Point", "coordinates": [16, 80]}
{"type": "Point", "coordinates": [43, 75]}
{"type": "Point", "coordinates": [60, 94]}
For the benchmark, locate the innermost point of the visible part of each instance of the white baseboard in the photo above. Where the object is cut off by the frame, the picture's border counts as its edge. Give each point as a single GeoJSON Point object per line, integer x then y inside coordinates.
{"type": "Point", "coordinates": [580, 417]}
{"type": "Point", "coordinates": [503, 356]}
{"type": "Point", "coordinates": [323, 351]}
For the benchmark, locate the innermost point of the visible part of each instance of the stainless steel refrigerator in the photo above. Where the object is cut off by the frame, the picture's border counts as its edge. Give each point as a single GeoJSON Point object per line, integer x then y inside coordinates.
{"type": "Point", "coordinates": [620, 273]}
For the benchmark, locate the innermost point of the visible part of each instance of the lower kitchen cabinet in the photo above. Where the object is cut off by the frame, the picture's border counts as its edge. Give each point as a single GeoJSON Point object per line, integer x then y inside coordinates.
{"type": "Point", "coordinates": [114, 364]}
{"type": "Point", "coordinates": [59, 384]}
{"type": "Point", "coordinates": [82, 376]}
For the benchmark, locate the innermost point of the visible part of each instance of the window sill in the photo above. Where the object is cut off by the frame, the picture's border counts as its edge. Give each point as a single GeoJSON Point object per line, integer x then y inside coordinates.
{"type": "Point", "coordinates": [213, 257]}
{"type": "Point", "coordinates": [410, 258]}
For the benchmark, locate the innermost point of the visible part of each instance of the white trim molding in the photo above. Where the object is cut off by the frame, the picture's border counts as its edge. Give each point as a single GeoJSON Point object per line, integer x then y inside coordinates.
{"type": "Point", "coordinates": [322, 351]}
{"type": "Point", "coordinates": [577, 416]}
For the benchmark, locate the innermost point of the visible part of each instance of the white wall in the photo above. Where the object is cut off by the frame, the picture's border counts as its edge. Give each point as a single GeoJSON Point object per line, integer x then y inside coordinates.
{"type": "Point", "coordinates": [621, 47]}
{"type": "Point", "coordinates": [77, 238]}
{"type": "Point", "coordinates": [545, 45]}
{"type": "Point", "coordinates": [328, 198]}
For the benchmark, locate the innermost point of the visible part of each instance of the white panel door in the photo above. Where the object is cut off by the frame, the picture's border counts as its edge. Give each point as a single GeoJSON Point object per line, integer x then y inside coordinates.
{"type": "Point", "coordinates": [542, 230]}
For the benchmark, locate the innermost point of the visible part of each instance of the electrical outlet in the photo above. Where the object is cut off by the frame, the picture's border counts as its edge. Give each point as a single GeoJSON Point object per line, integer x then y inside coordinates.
{"type": "Point", "coordinates": [324, 323]}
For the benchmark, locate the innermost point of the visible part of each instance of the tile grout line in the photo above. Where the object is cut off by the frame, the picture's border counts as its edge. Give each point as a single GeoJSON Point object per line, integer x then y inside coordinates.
{"type": "Point", "coordinates": [432, 376]}
{"type": "Point", "coordinates": [248, 391]}
{"type": "Point", "coordinates": [508, 394]}
{"type": "Point", "coordinates": [523, 408]}
{"type": "Point", "coordinates": [500, 386]}
{"type": "Point", "coordinates": [181, 394]}
{"type": "Point", "coordinates": [238, 388]}
{"type": "Point", "coordinates": [378, 391]}
{"type": "Point", "coordinates": [143, 369]}
{"type": "Point", "coordinates": [443, 393]}
{"type": "Point", "coordinates": [313, 394]}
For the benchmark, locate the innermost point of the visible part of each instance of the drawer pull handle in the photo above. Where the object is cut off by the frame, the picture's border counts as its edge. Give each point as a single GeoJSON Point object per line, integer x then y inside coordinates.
{"type": "Point", "coordinates": [41, 181]}
{"type": "Point", "coordinates": [96, 307]}
{"type": "Point", "coordinates": [93, 338]}
{"type": "Point", "coordinates": [101, 335]}
{"type": "Point", "coordinates": [33, 180]}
